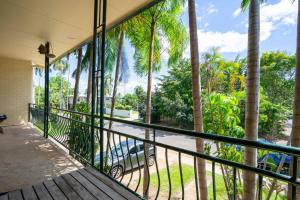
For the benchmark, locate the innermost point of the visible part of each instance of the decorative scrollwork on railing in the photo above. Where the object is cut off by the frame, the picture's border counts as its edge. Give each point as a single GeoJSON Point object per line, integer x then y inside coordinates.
{"type": "Point", "coordinates": [161, 167]}
{"type": "Point", "coordinates": [37, 116]}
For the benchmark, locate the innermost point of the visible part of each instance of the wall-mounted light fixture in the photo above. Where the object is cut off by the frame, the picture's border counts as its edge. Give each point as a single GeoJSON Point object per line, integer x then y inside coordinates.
{"type": "Point", "coordinates": [43, 50]}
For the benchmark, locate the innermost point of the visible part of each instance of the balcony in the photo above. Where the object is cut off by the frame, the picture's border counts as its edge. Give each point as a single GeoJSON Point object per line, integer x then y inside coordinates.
{"type": "Point", "coordinates": [64, 154]}
{"type": "Point", "coordinates": [171, 168]}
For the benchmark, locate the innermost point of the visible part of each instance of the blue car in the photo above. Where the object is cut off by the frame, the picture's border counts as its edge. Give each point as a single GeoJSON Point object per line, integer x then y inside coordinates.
{"type": "Point", "coordinates": [271, 161]}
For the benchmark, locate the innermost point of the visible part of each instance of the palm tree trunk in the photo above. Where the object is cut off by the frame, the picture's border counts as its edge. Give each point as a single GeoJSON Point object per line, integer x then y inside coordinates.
{"type": "Point", "coordinates": [39, 91]}
{"type": "Point", "coordinates": [117, 76]}
{"type": "Point", "coordinates": [61, 92]}
{"type": "Point", "coordinates": [68, 92]}
{"type": "Point", "coordinates": [197, 104]}
{"type": "Point", "coordinates": [252, 101]}
{"type": "Point", "coordinates": [225, 176]}
{"type": "Point", "coordinates": [148, 108]}
{"type": "Point", "coordinates": [77, 78]}
{"type": "Point", "coordinates": [90, 74]}
{"type": "Point", "coordinates": [295, 135]}
{"type": "Point", "coordinates": [116, 83]}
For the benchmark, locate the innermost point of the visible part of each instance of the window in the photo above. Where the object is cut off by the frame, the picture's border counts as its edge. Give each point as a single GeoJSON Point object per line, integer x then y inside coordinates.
{"type": "Point", "coordinates": [133, 150]}
{"type": "Point", "coordinates": [142, 147]}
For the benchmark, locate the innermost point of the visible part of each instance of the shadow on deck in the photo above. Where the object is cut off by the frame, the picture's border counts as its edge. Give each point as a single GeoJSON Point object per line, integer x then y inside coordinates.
{"type": "Point", "coordinates": [85, 183]}
{"type": "Point", "coordinates": [45, 171]}
{"type": "Point", "coordinates": [27, 158]}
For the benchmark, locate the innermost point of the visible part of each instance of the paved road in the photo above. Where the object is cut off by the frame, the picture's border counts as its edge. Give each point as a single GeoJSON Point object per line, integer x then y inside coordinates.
{"type": "Point", "coordinates": [174, 139]}
{"type": "Point", "coordinates": [170, 138]}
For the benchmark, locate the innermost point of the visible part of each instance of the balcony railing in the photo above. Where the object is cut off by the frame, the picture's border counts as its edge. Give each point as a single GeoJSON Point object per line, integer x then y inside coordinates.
{"type": "Point", "coordinates": [164, 165]}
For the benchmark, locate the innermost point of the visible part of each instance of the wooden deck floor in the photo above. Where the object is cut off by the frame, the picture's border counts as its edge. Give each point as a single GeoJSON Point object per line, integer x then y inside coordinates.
{"type": "Point", "coordinates": [85, 183]}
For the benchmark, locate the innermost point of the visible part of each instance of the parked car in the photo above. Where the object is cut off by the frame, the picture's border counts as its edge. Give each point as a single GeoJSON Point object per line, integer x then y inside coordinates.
{"type": "Point", "coordinates": [126, 156]}
{"type": "Point", "coordinates": [271, 161]}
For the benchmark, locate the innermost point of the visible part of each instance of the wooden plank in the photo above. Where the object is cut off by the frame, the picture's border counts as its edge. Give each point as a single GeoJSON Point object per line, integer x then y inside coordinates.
{"type": "Point", "coordinates": [15, 195]}
{"type": "Point", "coordinates": [66, 189]}
{"type": "Point", "coordinates": [99, 194]}
{"type": "Point", "coordinates": [29, 194]}
{"type": "Point", "coordinates": [4, 197]}
{"type": "Point", "coordinates": [42, 192]}
{"type": "Point", "coordinates": [98, 183]}
{"type": "Point", "coordinates": [81, 191]}
{"type": "Point", "coordinates": [54, 190]}
{"type": "Point", "coordinates": [115, 186]}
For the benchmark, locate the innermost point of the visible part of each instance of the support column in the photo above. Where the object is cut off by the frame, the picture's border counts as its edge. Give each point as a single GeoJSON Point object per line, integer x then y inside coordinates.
{"type": "Point", "coordinates": [103, 36]}
{"type": "Point", "coordinates": [94, 82]}
{"type": "Point", "coordinates": [46, 100]}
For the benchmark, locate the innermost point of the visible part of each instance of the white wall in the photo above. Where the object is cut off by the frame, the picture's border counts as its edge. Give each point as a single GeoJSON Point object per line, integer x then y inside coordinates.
{"type": "Point", "coordinates": [15, 90]}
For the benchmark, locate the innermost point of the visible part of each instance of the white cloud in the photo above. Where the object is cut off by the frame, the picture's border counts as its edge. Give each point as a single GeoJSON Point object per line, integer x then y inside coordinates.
{"type": "Point", "coordinates": [237, 12]}
{"type": "Point", "coordinates": [199, 18]}
{"type": "Point", "coordinates": [227, 41]}
{"type": "Point", "coordinates": [211, 9]}
{"type": "Point", "coordinates": [272, 16]}
{"type": "Point", "coordinates": [283, 12]}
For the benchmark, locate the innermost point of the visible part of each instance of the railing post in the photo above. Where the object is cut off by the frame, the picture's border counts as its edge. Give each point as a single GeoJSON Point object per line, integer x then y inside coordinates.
{"type": "Point", "coordinates": [294, 177]}
{"type": "Point", "coordinates": [28, 112]}
{"type": "Point", "coordinates": [103, 36]}
{"type": "Point", "coordinates": [46, 104]}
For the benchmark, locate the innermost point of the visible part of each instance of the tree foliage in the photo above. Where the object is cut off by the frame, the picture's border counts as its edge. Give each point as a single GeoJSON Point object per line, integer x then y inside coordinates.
{"type": "Point", "coordinates": [278, 77]}
{"type": "Point", "coordinates": [59, 89]}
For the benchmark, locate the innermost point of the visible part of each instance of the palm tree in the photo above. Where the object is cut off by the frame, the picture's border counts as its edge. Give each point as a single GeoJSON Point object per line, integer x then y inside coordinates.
{"type": "Point", "coordinates": [39, 72]}
{"type": "Point", "coordinates": [77, 77]}
{"type": "Point", "coordinates": [252, 99]}
{"type": "Point", "coordinates": [211, 63]}
{"type": "Point", "coordinates": [121, 66]}
{"type": "Point", "coordinates": [62, 65]}
{"type": "Point", "coordinates": [86, 64]}
{"type": "Point", "coordinates": [295, 135]}
{"type": "Point", "coordinates": [160, 21]}
{"type": "Point", "coordinates": [116, 40]}
{"type": "Point", "coordinates": [68, 80]}
{"type": "Point", "coordinates": [197, 103]}
{"type": "Point", "coordinates": [88, 61]}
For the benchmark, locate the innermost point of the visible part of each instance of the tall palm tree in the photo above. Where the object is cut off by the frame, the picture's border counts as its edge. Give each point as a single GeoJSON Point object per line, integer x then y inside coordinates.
{"type": "Point", "coordinates": [77, 76]}
{"type": "Point", "coordinates": [89, 57]}
{"type": "Point", "coordinates": [252, 99]}
{"type": "Point", "coordinates": [197, 103]}
{"type": "Point", "coordinates": [211, 63]}
{"type": "Point", "coordinates": [68, 80]}
{"type": "Point", "coordinates": [295, 135]}
{"type": "Point", "coordinates": [147, 30]}
{"type": "Point", "coordinates": [38, 72]}
{"type": "Point", "coordinates": [121, 66]}
{"type": "Point", "coordinates": [116, 38]}
{"type": "Point", "coordinates": [86, 64]}
{"type": "Point", "coordinates": [62, 65]}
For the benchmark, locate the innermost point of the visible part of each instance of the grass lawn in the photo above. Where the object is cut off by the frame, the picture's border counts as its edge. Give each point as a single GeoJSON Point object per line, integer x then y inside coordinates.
{"type": "Point", "coordinates": [221, 190]}
{"type": "Point", "coordinates": [188, 177]}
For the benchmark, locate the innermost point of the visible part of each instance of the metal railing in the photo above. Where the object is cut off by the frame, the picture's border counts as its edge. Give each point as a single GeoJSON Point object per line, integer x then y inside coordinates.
{"type": "Point", "coordinates": [164, 165]}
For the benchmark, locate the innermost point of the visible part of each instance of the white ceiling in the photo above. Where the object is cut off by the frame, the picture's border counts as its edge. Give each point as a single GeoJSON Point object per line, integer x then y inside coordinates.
{"type": "Point", "coordinates": [25, 24]}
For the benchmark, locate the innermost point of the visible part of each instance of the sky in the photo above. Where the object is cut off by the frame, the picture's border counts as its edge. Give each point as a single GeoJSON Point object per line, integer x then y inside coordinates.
{"type": "Point", "coordinates": [222, 24]}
